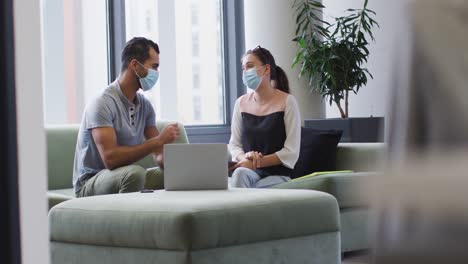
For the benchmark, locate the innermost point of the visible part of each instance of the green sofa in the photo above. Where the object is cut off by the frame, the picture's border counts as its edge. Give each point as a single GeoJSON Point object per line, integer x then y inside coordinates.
{"type": "Point", "coordinates": [249, 226]}
{"type": "Point", "coordinates": [363, 159]}
{"type": "Point", "coordinates": [359, 157]}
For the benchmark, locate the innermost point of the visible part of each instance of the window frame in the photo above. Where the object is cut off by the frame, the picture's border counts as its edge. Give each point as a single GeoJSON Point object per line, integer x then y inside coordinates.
{"type": "Point", "coordinates": [115, 36]}
{"type": "Point", "coordinates": [233, 43]}
{"type": "Point", "coordinates": [10, 240]}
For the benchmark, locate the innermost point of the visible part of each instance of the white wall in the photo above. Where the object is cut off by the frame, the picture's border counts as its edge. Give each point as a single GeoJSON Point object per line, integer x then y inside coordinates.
{"type": "Point", "coordinates": [31, 137]}
{"type": "Point", "coordinates": [372, 99]}
{"type": "Point", "coordinates": [271, 24]}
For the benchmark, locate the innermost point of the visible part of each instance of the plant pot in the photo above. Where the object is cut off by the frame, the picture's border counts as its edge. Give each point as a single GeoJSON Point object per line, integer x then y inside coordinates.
{"type": "Point", "coordinates": [355, 129]}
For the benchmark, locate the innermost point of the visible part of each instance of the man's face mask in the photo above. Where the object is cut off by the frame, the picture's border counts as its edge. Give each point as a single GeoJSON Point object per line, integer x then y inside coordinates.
{"type": "Point", "coordinates": [150, 80]}
{"type": "Point", "coordinates": [251, 79]}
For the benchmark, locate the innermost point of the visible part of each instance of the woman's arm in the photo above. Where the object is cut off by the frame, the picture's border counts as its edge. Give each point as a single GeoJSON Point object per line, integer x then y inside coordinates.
{"type": "Point", "coordinates": [289, 154]}
{"type": "Point", "coordinates": [266, 161]}
{"type": "Point", "coordinates": [235, 144]}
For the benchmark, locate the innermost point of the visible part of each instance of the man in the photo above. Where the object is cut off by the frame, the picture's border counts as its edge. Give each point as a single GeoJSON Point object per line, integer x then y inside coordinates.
{"type": "Point", "coordinates": [119, 128]}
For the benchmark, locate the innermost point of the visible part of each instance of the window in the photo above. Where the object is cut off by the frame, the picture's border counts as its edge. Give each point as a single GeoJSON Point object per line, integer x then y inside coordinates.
{"type": "Point", "coordinates": [195, 44]}
{"type": "Point", "coordinates": [82, 45]}
{"type": "Point", "coordinates": [195, 77]}
{"type": "Point", "coordinates": [197, 108]}
{"type": "Point", "coordinates": [195, 12]}
{"type": "Point", "coordinates": [75, 57]}
{"type": "Point", "coordinates": [189, 33]}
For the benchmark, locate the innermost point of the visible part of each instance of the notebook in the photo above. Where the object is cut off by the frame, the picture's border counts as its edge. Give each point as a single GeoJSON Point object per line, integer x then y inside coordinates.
{"type": "Point", "coordinates": [319, 173]}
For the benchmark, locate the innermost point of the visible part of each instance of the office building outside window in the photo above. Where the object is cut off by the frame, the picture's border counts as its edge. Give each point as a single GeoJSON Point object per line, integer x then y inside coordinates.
{"type": "Point", "coordinates": [189, 33]}
{"type": "Point", "coordinates": [74, 57]}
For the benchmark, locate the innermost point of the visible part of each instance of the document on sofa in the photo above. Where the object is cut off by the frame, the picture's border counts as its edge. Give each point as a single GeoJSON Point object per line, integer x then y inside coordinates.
{"type": "Point", "coordinates": [319, 173]}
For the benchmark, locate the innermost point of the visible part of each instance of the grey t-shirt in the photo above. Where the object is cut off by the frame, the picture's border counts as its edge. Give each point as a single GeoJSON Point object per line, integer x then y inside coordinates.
{"type": "Point", "coordinates": [109, 109]}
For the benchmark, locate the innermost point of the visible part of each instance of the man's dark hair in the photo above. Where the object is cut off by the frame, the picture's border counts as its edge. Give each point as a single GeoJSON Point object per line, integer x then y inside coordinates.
{"type": "Point", "coordinates": [137, 48]}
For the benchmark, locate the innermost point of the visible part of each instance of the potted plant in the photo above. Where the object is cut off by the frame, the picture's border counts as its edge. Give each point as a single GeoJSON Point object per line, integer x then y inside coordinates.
{"type": "Point", "coordinates": [332, 56]}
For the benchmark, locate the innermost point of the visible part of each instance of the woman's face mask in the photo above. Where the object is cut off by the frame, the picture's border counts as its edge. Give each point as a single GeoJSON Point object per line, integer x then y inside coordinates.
{"type": "Point", "coordinates": [150, 80]}
{"type": "Point", "coordinates": [251, 79]}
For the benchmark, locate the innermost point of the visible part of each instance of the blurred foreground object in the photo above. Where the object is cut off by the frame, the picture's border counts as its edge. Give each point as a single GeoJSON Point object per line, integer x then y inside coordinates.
{"type": "Point", "coordinates": [421, 212]}
{"type": "Point", "coordinates": [421, 205]}
{"type": "Point", "coordinates": [429, 109]}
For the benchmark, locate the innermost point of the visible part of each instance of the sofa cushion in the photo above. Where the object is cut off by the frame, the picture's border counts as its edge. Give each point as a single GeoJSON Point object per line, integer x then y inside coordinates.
{"type": "Point", "coordinates": [191, 220]}
{"type": "Point", "coordinates": [360, 156]}
{"type": "Point", "coordinates": [345, 187]}
{"type": "Point", "coordinates": [61, 142]}
{"type": "Point", "coordinates": [317, 152]}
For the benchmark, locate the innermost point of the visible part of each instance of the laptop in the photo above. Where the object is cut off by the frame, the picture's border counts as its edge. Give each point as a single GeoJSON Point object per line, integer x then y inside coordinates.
{"type": "Point", "coordinates": [195, 167]}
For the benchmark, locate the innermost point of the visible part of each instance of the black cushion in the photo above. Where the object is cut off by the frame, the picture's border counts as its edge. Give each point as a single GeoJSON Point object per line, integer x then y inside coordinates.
{"type": "Point", "coordinates": [318, 151]}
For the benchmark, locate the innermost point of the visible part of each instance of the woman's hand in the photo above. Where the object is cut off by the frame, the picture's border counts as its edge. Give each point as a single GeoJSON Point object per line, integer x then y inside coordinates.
{"type": "Point", "coordinates": [245, 163]}
{"type": "Point", "coordinates": [256, 158]}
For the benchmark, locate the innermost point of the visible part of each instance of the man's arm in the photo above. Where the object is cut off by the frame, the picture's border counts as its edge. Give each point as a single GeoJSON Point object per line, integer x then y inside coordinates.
{"type": "Point", "coordinates": [115, 156]}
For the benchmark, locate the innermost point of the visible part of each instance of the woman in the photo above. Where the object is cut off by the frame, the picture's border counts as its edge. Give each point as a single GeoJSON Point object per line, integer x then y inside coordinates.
{"type": "Point", "coordinates": [266, 126]}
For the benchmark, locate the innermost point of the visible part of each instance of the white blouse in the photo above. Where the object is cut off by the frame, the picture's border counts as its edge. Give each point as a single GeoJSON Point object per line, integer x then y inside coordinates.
{"type": "Point", "coordinates": [289, 154]}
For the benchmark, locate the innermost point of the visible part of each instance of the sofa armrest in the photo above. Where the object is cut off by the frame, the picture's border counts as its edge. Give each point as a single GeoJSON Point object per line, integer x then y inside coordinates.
{"type": "Point", "coordinates": [347, 188]}
{"type": "Point", "coordinates": [54, 198]}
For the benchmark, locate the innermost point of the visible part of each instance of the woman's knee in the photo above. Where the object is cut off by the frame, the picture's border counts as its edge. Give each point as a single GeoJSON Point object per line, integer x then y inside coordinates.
{"type": "Point", "coordinates": [241, 173]}
{"type": "Point", "coordinates": [242, 178]}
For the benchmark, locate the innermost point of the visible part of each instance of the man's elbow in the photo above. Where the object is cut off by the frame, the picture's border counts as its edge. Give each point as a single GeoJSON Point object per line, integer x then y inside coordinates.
{"type": "Point", "coordinates": [109, 162]}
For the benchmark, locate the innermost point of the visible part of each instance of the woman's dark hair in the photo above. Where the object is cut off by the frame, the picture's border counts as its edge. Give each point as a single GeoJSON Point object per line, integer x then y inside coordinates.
{"type": "Point", "coordinates": [137, 48]}
{"type": "Point", "coordinates": [277, 74]}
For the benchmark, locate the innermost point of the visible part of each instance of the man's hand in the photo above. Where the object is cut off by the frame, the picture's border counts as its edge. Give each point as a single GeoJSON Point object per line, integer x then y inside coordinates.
{"type": "Point", "coordinates": [170, 133]}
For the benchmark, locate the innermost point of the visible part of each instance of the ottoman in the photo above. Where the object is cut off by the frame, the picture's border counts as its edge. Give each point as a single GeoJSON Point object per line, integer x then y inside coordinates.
{"type": "Point", "coordinates": [230, 226]}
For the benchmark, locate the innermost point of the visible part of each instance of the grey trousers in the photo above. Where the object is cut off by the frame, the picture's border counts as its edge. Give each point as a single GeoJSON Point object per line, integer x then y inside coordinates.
{"type": "Point", "coordinates": [131, 178]}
